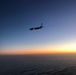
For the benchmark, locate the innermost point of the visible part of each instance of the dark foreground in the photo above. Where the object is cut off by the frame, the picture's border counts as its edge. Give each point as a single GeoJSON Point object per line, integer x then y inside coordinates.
{"type": "Point", "coordinates": [38, 65]}
{"type": "Point", "coordinates": [67, 71]}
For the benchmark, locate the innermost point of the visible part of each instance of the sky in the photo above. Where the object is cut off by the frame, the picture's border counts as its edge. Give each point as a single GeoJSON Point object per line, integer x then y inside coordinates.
{"type": "Point", "coordinates": [57, 36]}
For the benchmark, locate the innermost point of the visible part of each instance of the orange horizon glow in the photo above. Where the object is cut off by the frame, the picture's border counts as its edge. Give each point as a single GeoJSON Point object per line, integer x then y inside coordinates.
{"type": "Point", "coordinates": [14, 53]}
{"type": "Point", "coordinates": [54, 49]}
{"type": "Point", "coordinates": [37, 52]}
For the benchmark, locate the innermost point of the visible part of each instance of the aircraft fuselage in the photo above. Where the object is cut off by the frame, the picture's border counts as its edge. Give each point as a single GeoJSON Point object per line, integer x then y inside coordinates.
{"type": "Point", "coordinates": [35, 28]}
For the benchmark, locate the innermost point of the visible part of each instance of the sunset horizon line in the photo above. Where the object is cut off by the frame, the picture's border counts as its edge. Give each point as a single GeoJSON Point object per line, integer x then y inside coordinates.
{"type": "Point", "coordinates": [47, 53]}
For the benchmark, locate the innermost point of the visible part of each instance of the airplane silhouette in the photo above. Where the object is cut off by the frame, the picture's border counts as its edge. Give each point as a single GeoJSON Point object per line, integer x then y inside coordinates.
{"type": "Point", "coordinates": [36, 28]}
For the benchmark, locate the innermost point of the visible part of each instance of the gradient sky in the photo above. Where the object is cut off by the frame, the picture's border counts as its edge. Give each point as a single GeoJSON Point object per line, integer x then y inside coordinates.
{"type": "Point", "coordinates": [57, 36]}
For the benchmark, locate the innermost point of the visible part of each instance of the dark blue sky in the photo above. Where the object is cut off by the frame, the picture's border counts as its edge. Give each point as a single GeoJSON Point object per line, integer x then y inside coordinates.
{"type": "Point", "coordinates": [17, 16]}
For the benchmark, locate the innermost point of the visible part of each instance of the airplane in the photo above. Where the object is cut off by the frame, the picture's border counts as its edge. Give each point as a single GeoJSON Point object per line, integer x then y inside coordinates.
{"type": "Point", "coordinates": [36, 28]}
